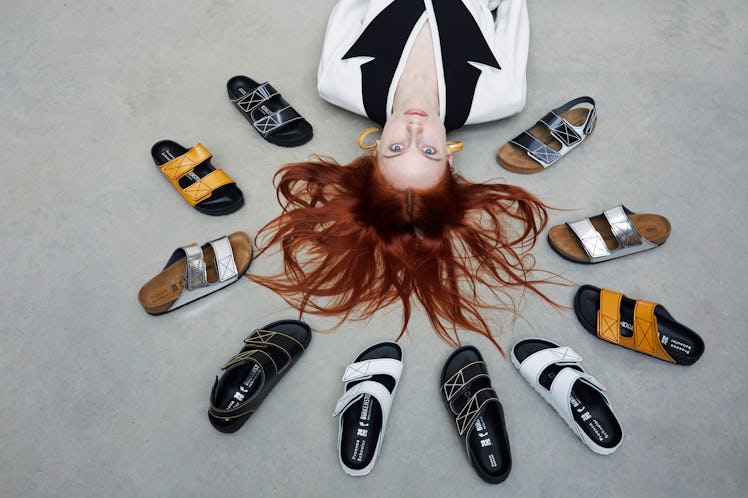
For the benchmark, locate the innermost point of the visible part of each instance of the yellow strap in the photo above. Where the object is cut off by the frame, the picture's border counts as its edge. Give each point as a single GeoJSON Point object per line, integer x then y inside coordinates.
{"type": "Point", "coordinates": [646, 336]}
{"type": "Point", "coordinates": [179, 166]}
{"type": "Point", "coordinates": [201, 190]}
{"type": "Point", "coordinates": [609, 316]}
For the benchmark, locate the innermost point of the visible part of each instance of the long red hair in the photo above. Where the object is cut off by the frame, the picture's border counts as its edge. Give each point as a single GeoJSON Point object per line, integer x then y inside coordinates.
{"type": "Point", "coordinates": [352, 244]}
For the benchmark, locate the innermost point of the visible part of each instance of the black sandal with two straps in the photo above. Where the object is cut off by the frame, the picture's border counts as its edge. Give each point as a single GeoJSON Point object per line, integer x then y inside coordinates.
{"type": "Point", "coordinates": [252, 373]}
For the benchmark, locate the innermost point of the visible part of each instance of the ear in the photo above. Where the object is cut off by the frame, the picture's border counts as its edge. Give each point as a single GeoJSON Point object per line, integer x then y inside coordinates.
{"type": "Point", "coordinates": [449, 160]}
{"type": "Point", "coordinates": [375, 150]}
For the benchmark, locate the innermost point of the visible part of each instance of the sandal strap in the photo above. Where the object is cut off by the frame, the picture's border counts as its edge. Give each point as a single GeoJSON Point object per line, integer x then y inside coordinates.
{"type": "Point", "coordinates": [358, 391]}
{"type": "Point", "coordinates": [536, 149]}
{"type": "Point", "coordinates": [266, 124]}
{"type": "Point", "coordinates": [589, 122]}
{"type": "Point", "coordinates": [463, 378]}
{"type": "Point", "coordinates": [260, 338]}
{"type": "Point", "coordinates": [473, 408]}
{"type": "Point", "coordinates": [620, 224]}
{"type": "Point", "coordinates": [560, 394]}
{"type": "Point", "coordinates": [249, 101]}
{"type": "Point", "coordinates": [204, 187]}
{"type": "Point", "coordinates": [645, 338]}
{"type": "Point", "coordinates": [224, 259]}
{"type": "Point", "coordinates": [181, 165]}
{"type": "Point", "coordinates": [197, 275]}
{"type": "Point", "coordinates": [533, 366]}
{"type": "Point", "coordinates": [378, 366]}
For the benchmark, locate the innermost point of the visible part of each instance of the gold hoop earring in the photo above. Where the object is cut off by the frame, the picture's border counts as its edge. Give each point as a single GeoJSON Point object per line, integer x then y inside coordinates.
{"type": "Point", "coordinates": [455, 146]}
{"type": "Point", "coordinates": [363, 136]}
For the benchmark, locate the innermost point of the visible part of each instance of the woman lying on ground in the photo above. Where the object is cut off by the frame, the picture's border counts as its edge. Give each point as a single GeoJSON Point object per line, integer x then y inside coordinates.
{"type": "Point", "coordinates": [398, 223]}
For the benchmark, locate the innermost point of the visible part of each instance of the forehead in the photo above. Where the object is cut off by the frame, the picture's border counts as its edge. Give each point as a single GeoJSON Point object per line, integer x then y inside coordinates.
{"type": "Point", "coordinates": [412, 170]}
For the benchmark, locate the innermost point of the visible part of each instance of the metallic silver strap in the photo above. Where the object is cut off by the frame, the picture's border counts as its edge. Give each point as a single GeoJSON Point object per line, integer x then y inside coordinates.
{"type": "Point", "coordinates": [627, 236]}
{"type": "Point", "coordinates": [196, 273]}
{"type": "Point", "coordinates": [591, 240]}
{"type": "Point", "coordinates": [621, 226]}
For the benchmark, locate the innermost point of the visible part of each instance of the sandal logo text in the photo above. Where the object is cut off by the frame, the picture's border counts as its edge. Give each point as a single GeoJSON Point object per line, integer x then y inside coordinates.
{"type": "Point", "coordinates": [627, 325]}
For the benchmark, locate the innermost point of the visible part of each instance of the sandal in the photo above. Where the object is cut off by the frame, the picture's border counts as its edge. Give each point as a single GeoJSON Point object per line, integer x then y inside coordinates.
{"type": "Point", "coordinates": [251, 374]}
{"type": "Point", "coordinates": [207, 189]}
{"type": "Point", "coordinates": [615, 233]}
{"type": "Point", "coordinates": [193, 272]}
{"type": "Point", "coordinates": [635, 324]}
{"type": "Point", "coordinates": [555, 373]}
{"type": "Point", "coordinates": [370, 384]}
{"type": "Point", "coordinates": [273, 118]}
{"type": "Point", "coordinates": [554, 136]}
{"type": "Point", "coordinates": [467, 393]}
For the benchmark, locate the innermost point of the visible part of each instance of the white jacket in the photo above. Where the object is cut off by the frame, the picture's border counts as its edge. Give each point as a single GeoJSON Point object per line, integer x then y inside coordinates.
{"type": "Point", "coordinates": [481, 61]}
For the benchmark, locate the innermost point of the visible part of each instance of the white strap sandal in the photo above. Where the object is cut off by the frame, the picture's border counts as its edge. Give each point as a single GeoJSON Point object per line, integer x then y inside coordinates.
{"type": "Point", "coordinates": [370, 384]}
{"type": "Point", "coordinates": [556, 374]}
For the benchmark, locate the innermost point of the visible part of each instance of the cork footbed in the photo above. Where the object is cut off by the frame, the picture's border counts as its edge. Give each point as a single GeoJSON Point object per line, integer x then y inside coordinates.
{"type": "Point", "coordinates": [162, 290]}
{"type": "Point", "coordinates": [515, 158]}
{"type": "Point", "coordinates": [653, 227]}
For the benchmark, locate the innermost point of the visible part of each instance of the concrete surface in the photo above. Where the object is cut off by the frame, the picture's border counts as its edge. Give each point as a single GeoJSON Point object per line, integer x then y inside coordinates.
{"type": "Point", "coordinates": [100, 399]}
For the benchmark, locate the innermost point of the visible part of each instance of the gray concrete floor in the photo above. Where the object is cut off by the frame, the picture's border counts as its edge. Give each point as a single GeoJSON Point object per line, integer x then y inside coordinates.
{"type": "Point", "coordinates": [100, 399]}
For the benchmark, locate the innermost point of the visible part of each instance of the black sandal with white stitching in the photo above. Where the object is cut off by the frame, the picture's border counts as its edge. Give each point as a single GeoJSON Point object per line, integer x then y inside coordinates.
{"type": "Point", "coordinates": [467, 393]}
{"type": "Point", "coordinates": [271, 116]}
{"type": "Point", "coordinates": [252, 373]}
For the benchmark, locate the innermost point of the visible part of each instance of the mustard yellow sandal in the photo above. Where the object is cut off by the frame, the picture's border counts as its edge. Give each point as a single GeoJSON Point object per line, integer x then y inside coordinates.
{"type": "Point", "coordinates": [207, 189]}
{"type": "Point", "coordinates": [635, 324]}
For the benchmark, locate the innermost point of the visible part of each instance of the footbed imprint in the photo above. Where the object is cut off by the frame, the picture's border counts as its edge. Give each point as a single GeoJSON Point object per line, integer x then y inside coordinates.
{"type": "Point", "coordinates": [515, 158]}
{"type": "Point", "coordinates": [362, 424]}
{"type": "Point", "coordinates": [683, 345]}
{"type": "Point", "coordinates": [653, 227]}
{"type": "Point", "coordinates": [160, 292]}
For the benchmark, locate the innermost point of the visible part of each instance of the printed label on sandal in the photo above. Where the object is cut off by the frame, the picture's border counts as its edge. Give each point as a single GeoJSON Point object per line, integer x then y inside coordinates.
{"type": "Point", "coordinates": [362, 432]}
{"type": "Point", "coordinates": [245, 387]}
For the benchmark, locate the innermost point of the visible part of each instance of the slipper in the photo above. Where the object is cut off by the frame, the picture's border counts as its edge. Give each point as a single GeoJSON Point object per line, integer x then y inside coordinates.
{"type": "Point", "coordinates": [370, 385]}
{"type": "Point", "coordinates": [251, 374]}
{"type": "Point", "coordinates": [615, 233]}
{"type": "Point", "coordinates": [467, 393]}
{"type": "Point", "coordinates": [555, 373]}
{"type": "Point", "coordinates": [554, 136]}
{"type": "Point", "coordinates": [635, 324]}
{"type": "Point", "coordinates": [193, 272]}
{"type": "Point", "coordinates": [273, 118]}
{"type": "Point", "coordinates": [207, 189]}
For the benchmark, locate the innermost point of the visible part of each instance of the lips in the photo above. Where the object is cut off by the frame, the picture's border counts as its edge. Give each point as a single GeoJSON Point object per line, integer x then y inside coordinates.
{"type": "Point", "coordinates": [416, 112]}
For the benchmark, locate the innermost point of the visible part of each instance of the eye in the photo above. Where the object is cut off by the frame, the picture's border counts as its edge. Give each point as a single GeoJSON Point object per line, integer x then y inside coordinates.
{"type": "Point", "coordinates": [396, 147]}
{"type": "Point", "coordinates": [429, 150]}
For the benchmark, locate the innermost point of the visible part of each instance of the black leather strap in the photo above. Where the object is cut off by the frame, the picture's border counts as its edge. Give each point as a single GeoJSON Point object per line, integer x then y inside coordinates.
{"type": "Point", "coordinates": [462, 379]}
{"type": "Point", "coordinates": [536, 149]}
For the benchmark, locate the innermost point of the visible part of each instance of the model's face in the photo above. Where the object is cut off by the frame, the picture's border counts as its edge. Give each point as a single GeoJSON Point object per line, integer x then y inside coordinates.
{"type": "Point", "coordinates": [412, 153]}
